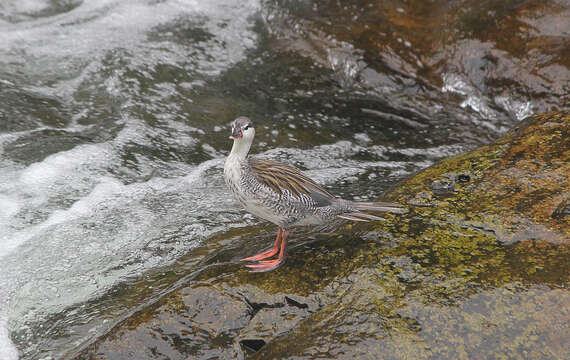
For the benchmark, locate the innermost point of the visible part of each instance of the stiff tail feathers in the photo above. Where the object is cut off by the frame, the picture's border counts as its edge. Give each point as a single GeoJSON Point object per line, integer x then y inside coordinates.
{"type": "Point", "coordinates": [359, 216]}
{"type": "Point", "coordinates": [380, 206]}
{"type": "Point", "coordinates": [372, 206]}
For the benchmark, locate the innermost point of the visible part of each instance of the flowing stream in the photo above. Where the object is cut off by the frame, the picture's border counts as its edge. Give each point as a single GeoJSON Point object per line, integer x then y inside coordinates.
{"type": "Point", "coordinates": [114, 124]}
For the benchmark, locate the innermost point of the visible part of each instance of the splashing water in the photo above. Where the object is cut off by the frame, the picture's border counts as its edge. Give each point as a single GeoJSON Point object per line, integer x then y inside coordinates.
{"type": "Point", "coordinates": [112, 141]}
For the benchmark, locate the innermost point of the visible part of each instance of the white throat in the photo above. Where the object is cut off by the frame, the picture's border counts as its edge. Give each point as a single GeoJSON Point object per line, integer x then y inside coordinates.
{"type": "Point", "coordinates": [241, 147]}
{"type": "Point", "coordinates": [233, 165]}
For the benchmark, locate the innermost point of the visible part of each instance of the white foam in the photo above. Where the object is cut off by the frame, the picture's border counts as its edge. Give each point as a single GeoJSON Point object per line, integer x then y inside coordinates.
{"type": "Point", "coordinates": [474, 99]}
{"type": "Point", "coordinates": [40, 177]}
{"type": "Point", "coordinates": [346, 61]}
{"type": "Point", "coordinates": [48, 185]}
{"type": "Point", "coordinates": [8, 350]}
{"type": "Point", "coordinates": [11, 240]}
{"type": "Point", "coordinates": [436, 152]}
{"type": "Point", "coordinates": [113, 232]}
{"type": "Point", "coordinates": [8, 208]}
{"type": "Point", "coordinates": [518, 109]}
{"type": "Point", "coordinates": [71, 226]}
{"type": "Point", "coordinates": [108, 24]}
{"type": "Point", "coordinates": [24, 6]}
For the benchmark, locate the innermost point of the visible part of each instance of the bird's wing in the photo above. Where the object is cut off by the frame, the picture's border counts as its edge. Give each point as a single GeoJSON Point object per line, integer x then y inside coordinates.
{"type": "Point", "coordinates": [280, 177]}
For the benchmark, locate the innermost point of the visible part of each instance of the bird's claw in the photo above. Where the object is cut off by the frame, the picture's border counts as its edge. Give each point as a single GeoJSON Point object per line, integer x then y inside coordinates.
{"type": "Point", "coordinates": [261, 256]}
{"type": "Point", "coordinates": [266, 265]}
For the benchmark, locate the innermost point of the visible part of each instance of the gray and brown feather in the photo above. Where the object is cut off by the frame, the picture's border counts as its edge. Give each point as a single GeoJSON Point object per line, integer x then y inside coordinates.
{"type": "Point", "coordinates": [280, 177]}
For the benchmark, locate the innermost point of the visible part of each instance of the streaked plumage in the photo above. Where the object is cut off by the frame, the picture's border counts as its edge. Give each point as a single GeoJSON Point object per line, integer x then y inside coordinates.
{"type": "Point", "coordinates": [281, 194]}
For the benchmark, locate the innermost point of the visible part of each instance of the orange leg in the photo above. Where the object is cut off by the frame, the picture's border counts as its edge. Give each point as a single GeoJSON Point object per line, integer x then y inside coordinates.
{"type": "Point", "coordinates": [268, 253]}
{"type": "Point", "coordinates": [268, 265]}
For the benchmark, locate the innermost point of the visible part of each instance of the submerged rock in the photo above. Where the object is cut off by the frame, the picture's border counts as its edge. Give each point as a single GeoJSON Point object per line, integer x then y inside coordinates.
{"type": "Point", "coordinates": [497, 60]}
{"type": "Point", "coordinates": [477, 271]}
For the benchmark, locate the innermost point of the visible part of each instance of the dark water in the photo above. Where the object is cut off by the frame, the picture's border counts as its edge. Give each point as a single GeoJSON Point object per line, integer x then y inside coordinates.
{"type": "Point", "coordinates": [113, 129]}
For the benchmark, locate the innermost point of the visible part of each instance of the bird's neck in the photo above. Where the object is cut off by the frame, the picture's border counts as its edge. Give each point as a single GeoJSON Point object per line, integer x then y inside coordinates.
{"type": "Point", "coordinates": [240, 149]}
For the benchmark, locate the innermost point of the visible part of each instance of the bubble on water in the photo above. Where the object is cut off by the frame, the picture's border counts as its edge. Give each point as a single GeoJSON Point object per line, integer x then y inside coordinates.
{"type": "Point", "coordinates": [362, 138]}
{"type": "Point", "coordinates": [346, 61]}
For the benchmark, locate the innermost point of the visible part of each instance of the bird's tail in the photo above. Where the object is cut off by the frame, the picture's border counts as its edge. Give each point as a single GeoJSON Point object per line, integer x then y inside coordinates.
{"type": "Point", "coordinates": [380, 206]}
{"type": "Point", "coordinates": [371, 206]}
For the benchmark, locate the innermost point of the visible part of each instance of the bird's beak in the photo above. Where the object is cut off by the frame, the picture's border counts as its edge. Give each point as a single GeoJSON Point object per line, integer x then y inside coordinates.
{"type": "Point", "coordinates": [236, 133]}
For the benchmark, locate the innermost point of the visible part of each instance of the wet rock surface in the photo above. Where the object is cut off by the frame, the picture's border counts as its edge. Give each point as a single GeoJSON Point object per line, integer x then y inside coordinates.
{"type": "Point", "coordinates": [480, 270]}
{"type": "Point", "coordinates": [497, 60]}
{"type": "Point", "coordinates": [113, 129]}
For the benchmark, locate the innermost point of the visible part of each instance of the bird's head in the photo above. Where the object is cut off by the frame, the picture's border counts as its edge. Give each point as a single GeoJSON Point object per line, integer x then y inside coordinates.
{"type": "Point", "coordinates": [242, 128]}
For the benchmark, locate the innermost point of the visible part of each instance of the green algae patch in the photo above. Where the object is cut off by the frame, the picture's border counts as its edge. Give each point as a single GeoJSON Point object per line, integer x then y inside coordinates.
{"type": "Point", "coordinates": [515, 189]}
{"type": "Point", "coordinates": [477, 268]}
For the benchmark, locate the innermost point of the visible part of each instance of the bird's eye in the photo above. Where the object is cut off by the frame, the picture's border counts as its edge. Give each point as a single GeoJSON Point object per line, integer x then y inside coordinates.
{"type": "Point", "coordinates": [246, 127]}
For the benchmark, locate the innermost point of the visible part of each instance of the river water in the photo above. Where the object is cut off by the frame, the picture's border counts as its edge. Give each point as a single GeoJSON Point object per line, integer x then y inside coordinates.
{"type": "Point", "coordinates": [114, 124]}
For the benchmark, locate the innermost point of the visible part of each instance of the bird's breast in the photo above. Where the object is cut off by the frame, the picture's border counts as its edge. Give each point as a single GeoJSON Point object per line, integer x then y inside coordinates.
{"type": "Point", "coordinates": [232, 175]}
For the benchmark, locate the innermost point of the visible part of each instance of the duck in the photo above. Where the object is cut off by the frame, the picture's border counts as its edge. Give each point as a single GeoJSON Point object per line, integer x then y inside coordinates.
{"type": "Point", "coordinates": [283, 195]}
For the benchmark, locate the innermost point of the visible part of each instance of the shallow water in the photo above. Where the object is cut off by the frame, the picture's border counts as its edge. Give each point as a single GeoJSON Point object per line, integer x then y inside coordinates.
{"type": "Point", "coordinates": [113, 129]}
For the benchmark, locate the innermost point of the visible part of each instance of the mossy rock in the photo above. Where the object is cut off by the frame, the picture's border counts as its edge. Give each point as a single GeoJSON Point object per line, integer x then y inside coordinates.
{"type": "Point", "coordinates": [481, 265]}
{"type": "Point", "coordinates": [517, 187]}
{"type": "Point", "coordinates": [478, 268]}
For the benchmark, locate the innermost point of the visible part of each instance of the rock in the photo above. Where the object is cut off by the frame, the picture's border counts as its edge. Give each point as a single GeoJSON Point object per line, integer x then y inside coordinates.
{"type": "Point", "coordinates": [443, 186]}
{"type": "Point", "coordinates": [195, 320]}
{"type": "Point", "coordinates": [489, 324]}
{"type": "Point", "coordinates": [516, 188]}
{"type": "Point", "coordinates": [477, 272]}
{"type": "Point", "coordinates": [435, 304]}
{"type": "Point", "coordinates": [497, 60]}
